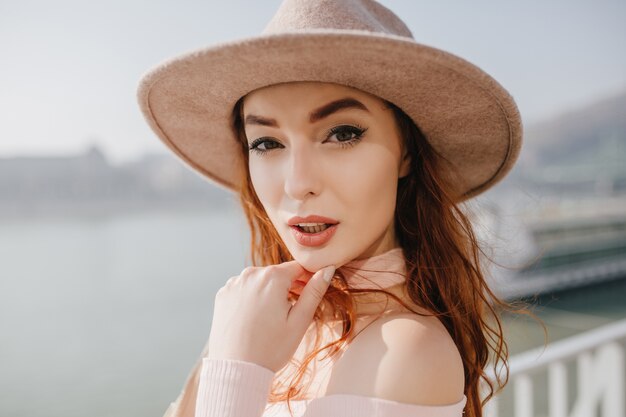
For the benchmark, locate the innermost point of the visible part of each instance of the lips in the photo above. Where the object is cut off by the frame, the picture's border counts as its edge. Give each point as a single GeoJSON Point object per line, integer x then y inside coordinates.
{"type": "Point", "coordinates": [313, 239]}
{"type": "Point", "coordinates": [314, 218]}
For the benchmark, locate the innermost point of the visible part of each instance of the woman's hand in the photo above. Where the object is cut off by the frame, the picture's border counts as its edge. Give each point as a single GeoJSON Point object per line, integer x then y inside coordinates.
{"type": "Point", "coordinates": [254, 321]}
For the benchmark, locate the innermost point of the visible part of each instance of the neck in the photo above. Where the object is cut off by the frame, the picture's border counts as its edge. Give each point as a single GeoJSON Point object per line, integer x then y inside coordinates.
{"type": "Point", "coordinates": [385, 271]}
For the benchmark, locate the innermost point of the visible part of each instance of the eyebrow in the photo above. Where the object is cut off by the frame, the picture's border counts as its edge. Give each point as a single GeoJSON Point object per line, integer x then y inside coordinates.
{"type": "Point", "coordinates": [316, 115]}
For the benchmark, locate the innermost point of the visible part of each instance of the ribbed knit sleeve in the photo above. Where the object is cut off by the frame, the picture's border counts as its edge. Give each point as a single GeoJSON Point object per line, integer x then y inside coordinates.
{"type": "Point", "coordinates": [232, 388]}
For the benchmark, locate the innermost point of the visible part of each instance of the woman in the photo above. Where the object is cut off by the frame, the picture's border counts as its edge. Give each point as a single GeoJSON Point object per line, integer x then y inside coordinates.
{"type": "Point", "coordinates": [352, 149]}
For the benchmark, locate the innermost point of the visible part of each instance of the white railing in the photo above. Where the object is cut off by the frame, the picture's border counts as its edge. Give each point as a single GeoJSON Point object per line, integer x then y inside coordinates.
{"type": "Point", "coordinates": [595, 363]}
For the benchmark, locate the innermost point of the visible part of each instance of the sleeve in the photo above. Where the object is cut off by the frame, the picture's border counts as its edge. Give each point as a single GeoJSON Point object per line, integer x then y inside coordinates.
{"type": "Point", "coordinates": [232, 388]}
{"type": "Point", "coordinates": [348, 405]}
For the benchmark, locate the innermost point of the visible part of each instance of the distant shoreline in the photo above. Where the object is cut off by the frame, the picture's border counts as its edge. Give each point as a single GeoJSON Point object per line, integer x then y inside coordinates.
{"type": "Point", "coordinates": [101, 209]}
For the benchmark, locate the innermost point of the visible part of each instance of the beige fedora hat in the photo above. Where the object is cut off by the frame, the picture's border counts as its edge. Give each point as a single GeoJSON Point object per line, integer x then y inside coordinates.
{"type": "Point", "coordinates": [467, 116]}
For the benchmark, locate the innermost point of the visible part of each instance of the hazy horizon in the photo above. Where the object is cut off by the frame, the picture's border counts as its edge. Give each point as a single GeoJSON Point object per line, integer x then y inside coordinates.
{"type": "Point", "coordinates": [70, 69]}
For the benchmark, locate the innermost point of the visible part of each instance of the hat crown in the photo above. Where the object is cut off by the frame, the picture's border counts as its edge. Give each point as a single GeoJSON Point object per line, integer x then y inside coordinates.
{"type": "Point", "coordinates": [368, 15]}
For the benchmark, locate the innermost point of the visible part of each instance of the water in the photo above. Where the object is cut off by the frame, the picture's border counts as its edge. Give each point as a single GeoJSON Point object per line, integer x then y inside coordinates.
{"type": "Point", "coordinates": [106, 315]}
{"type": "Point", "coordinates": [567, 313]}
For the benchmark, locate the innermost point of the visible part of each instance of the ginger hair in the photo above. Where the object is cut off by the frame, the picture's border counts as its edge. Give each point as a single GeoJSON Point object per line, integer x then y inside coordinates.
{"type": "Point", "coordinates": [445, 271]}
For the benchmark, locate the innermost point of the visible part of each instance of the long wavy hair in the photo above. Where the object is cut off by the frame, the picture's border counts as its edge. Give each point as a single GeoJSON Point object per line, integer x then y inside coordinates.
{"type": "Point", "coordinates": [444, 269]}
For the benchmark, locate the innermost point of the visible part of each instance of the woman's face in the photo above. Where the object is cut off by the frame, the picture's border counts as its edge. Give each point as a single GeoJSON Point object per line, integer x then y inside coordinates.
{"type": "Point", "coordinates": [313, 157]}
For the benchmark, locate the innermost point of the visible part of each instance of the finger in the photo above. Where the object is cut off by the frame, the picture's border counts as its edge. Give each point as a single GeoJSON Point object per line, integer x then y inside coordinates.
{"type": "Point", "coordinates": [291, 269]}
{"type": "Point", "coordinates": [296, 286]}
{"type": "Point", "coordinates": [311, 295]}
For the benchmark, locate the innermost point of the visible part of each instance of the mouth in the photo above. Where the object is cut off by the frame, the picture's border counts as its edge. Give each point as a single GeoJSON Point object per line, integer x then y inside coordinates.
{"type": "Point", "coordinates": [313, 235]}
{"type": "Point", "coordinates": [312, 230]}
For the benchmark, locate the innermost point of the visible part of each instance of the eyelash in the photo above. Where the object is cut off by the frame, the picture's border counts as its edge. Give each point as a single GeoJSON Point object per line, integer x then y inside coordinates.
{"type": "Point", "coordinates": [357, 130]}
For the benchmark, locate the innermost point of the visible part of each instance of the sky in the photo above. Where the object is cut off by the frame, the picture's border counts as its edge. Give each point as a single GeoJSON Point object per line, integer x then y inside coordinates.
{"type": "Point", "coordinates": [70, 69]}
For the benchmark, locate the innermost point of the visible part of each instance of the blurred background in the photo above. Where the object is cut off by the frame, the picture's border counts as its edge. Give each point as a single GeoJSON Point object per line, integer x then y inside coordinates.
{"type": "Point", "coordinates": [111, 250]}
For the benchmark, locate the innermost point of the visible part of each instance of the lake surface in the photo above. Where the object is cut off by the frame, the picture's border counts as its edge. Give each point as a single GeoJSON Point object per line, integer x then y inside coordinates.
{"type": "Point", "coordinates": [106, 315]}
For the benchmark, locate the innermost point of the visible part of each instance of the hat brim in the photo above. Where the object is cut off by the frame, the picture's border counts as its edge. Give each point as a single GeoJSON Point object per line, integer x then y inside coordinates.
{"type": "Point", "coordinates": [466, 115]}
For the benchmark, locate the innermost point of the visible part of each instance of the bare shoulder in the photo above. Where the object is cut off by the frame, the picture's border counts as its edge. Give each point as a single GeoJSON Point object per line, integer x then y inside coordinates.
{"type": "Point", "coordinates": [406, 358]}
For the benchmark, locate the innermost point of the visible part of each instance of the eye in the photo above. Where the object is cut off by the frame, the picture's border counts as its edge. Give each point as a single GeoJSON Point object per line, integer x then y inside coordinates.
{"type": "Point", "coordinates": [255, 145]}
{"type": "Point", "coordinates": [347, 135]}
{"type": "Point", "coordinates": [344, 134]}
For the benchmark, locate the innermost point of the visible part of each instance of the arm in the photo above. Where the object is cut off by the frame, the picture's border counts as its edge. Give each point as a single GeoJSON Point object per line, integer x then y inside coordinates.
{"type": "Point", "coordinates": [232, 388]}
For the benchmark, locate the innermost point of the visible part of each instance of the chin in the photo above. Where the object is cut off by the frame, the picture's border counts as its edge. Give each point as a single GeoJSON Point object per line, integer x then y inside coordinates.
{"type": "Point", "coordinates": [310, 261]}
{"type": "Point", "coordinates": [314, 259]}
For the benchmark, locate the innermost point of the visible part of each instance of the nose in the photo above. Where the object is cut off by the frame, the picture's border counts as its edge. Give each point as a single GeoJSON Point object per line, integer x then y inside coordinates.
{"type": "Point", "coordinates": [303, 175]}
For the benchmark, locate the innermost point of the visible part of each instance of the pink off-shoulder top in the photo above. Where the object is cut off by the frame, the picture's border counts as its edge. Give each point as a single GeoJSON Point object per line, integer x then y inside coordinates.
{"type": "Point", "coordinates": [234, 388]}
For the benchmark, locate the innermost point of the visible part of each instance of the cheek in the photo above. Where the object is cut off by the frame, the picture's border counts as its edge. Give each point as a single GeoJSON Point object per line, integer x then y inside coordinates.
{"type": "Point", "coordinates": [266, 184]}
{"type": "Point", "coordinates": [367, 185]}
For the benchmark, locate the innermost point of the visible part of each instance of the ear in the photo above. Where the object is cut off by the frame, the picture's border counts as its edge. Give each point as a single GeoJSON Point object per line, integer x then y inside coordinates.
{"type": "Point", "coordinates": [405, 164]}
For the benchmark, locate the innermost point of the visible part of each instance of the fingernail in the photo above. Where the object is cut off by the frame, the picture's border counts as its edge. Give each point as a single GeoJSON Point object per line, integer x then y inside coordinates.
{"type": "Point", "coordinates": [328, 274]}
